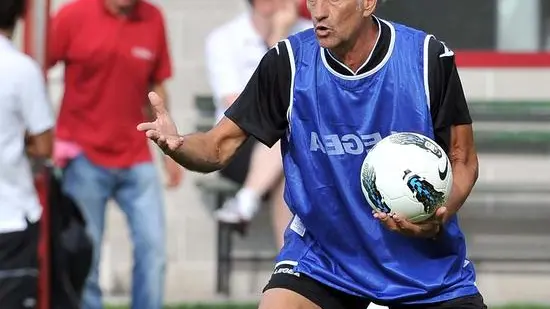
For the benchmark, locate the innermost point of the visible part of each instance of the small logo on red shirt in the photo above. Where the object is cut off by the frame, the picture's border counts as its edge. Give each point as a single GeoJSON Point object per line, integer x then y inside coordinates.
{"type": "Point", "coordinates": [142, 53]}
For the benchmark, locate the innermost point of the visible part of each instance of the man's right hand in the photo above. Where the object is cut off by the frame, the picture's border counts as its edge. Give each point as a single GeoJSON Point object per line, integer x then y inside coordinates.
{"type": "Point", "coordinates": [163, 130]}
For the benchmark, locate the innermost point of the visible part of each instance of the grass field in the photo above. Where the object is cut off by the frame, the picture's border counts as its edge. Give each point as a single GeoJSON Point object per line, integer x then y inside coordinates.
{"type": "Point", "coordinates": [253, 306]}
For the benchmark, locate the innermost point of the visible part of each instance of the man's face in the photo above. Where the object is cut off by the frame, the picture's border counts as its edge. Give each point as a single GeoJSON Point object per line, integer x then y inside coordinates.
{"type": "Point", "coordinates": [336, 22]}
{"type": "Point", "coordinates": [122, 5]}
{"type": "Point", "coordinates": [266, 8]}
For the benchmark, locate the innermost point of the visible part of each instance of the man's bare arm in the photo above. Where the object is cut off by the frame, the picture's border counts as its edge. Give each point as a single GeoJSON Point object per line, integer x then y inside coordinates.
{"type": "Point", "coordinates": [200, 152]}
{"type": "Point", "coordinates": [210, 151]}
{"type": "Point", "coordinates": [40, 146]}
{"type": "Point", "coordinates": [463, 157]}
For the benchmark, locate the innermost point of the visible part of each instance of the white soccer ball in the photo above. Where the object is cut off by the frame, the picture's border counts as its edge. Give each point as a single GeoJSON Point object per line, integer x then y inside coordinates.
{"type": "Point", "coordinates": [408, 174]}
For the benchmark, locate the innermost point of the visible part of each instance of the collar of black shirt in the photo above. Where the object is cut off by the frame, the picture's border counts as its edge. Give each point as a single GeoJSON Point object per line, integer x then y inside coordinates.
{"type": "Point", "coordinates": [380, 50]}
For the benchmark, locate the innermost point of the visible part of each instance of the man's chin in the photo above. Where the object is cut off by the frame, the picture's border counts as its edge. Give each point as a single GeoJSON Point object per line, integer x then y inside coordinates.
{"type": "Point", "coordinates": [326, 42]}
{"type": "Point", "coordinates": [126, 4]}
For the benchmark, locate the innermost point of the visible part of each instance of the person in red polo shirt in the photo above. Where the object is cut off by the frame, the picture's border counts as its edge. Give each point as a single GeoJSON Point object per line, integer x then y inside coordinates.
{"type": "Point", "coordinates": [114, 52]}
{"type": "Point", "coordinates": [302, 9]}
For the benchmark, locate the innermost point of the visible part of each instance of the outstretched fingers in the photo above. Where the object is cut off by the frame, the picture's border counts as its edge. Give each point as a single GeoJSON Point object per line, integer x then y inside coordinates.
{"type": "Point", "coordinates": [166, 143]}
{"type": "Point", "coordinates": [146, 126]}
{"type": "Point", "coordinates": [157, 103]}
{"type": "Point", "coordinates": [153, 134]}
{"type": "Point", "coordinates": [174, 142]}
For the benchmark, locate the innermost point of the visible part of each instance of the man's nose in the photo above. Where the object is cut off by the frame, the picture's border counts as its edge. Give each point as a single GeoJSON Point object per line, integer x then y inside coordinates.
{"type": "Point", "coordinates": [318, 9]}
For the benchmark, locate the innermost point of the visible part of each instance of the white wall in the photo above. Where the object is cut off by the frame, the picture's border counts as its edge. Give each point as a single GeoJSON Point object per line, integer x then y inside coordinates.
{"type": "Point", "coordinates": [506, 84]}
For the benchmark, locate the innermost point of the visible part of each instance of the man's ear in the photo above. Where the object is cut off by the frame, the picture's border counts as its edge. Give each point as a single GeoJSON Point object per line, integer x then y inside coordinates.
{"type": "Point", "coordinates": [370, 6]}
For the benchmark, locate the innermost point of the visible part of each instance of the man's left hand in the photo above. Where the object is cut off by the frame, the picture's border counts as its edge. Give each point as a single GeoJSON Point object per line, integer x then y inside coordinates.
{"type": "Point", "coordinates": [425, 229]}
{"type": "Point", "coordinates": [174, 172]}
{"type": "Point", "coordinates": [282, 21]}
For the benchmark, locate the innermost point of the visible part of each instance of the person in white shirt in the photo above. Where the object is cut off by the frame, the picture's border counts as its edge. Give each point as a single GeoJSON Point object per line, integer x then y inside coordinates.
{"type": "Point", "coordinates": [26, 123]}
{"type": "Point", "coordinates": [233, 51]}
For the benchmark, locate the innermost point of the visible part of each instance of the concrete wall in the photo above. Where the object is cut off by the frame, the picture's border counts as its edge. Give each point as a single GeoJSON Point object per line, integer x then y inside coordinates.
{"type": "Point", "coordinates": [506, 84]}
{"type": "Point", "coordinates": [191, 234]}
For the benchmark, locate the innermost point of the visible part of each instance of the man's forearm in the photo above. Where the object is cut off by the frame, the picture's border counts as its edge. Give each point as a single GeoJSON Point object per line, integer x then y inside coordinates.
{"type": "Point", "coordinates": [464, 179]}
{"type": "Point", "coordinates": [198, 154]}
{"type": "Point", "coordinates": [39, 146]}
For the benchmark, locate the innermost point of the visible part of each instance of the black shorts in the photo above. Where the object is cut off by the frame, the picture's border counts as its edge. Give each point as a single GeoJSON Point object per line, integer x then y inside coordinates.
{"type": "Point", "coordinates": [237, 169]}
{"type": "Point", "coordinates": [19, 268]}
{"type": "Point", "coordinates": [328, 298]}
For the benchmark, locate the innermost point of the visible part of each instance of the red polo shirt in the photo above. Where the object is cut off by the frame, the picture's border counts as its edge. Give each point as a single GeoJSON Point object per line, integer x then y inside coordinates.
{"type": "Point", "coordinates": [110, 64]}
{"type": "Point", "coordinates": [303, 11]}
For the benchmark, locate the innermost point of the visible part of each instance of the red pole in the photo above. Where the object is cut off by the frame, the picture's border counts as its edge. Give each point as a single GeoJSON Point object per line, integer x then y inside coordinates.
{"type": "Point", "coordinates": [36, 21]}
{"type": "Point", "coordinates": [28, 27]}
{"type": "Point", "coordinates": [41, 182]}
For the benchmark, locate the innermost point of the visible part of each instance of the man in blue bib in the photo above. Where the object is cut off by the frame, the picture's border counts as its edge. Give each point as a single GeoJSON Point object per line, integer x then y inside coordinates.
{"type": "Point", "coordinates": [330, 94]}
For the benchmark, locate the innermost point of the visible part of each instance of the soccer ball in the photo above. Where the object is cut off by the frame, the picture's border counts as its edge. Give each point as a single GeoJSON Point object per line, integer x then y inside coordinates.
{"type": "Point", "coordinates": [408, 174]}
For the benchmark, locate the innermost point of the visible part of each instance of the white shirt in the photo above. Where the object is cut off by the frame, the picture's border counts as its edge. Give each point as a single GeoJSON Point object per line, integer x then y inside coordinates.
{"type": "Point", "coordinates": [24, 106]}
{"type": "Point", "coordinates": [233, 51]}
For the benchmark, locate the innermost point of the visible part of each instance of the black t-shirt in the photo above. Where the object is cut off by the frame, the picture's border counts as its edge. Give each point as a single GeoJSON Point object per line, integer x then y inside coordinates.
{"type": "Point", "coordinates": [261, 108]}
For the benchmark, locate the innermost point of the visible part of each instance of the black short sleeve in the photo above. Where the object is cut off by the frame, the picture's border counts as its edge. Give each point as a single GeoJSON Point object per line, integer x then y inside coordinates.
{"type": "Point", "coordinates": [261, 108]}
{"type": "Point", "coordinates": [447, 101]}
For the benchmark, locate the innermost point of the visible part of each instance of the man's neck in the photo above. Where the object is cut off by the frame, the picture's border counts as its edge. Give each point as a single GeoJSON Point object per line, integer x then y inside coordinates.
{"type": "Point", "coordinates": [7, 33]}
{"type": "Point", "coordinates": [354, 54]}
{"type": "Point", "coordinates": [116, 10]}
{"type": "Point", "coordinates": [261, 25]}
